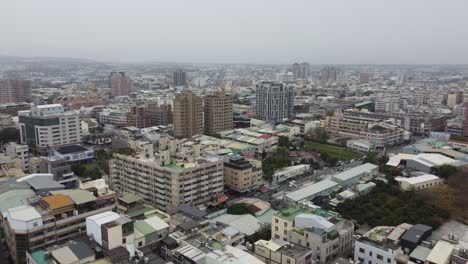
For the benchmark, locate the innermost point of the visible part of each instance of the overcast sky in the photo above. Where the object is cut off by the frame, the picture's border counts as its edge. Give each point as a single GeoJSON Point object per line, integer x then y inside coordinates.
{"type": "Point", "coordinates": [239, 31]}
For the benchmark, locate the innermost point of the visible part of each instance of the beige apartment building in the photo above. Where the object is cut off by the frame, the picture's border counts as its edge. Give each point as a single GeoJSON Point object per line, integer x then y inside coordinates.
{"type": "Point", "coordinates": [328, 235]}
{"type": "Point", "coordinates": [188, 115]}
{"type": "Point", "coordinates": [15, 91]}
{"type": "Point", "coordinates": [218, 113]}
{"type": "Point", "coordinates": [241, 175]}
{"type": "Point", "coordinates": [165, 179]}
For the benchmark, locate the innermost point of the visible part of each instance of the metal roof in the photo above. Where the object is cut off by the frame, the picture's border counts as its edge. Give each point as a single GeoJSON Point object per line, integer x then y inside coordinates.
{"type": "Point", "coordinates": [129, 198]}
{"type": "Point", "coordinates": [192, 211]}
{"type": "Point", "coordinates": [81, 250]}
{"type": "Point", "coordinates": [78, 196]}
{"type": "Point", "coordinates": [311, 190]}
{"type": "Point", "coordinates": [355, 172]}
{"type": "Point", "coordinates": [23, 213]}
{"type": "Point", "coordinates": [441, 253]}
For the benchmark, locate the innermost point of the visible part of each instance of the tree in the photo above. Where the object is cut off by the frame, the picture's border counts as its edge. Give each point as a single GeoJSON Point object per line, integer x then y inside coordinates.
{"type": "Point", "coordinates": [263, 233]}
{"type": "Point", "coordinates": [371, 157]}
{"type": "Point", "coordinates": [445, 171]}
{"type": "Point", "coordinates": [274, 161]}
{"type": "Point", "coordinates": [238, 209]}
{"type": "Point", "coordinates": [283, 141]}
{"type": "Point", "coordinates": [318, 134]}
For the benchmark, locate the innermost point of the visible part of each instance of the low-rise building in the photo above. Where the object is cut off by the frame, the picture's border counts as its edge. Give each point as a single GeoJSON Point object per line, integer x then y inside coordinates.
{"type": "Point", "coordinates": [359, 145]}
{"type": "Point", "coordinates": [286, 173]}
{"type": "Point", "coordinates": [419, 182]}
{"type": "Point", "coordinates": [309, 192]}
{"type": "Point", "coordinates": [281, 252]}
{"type": "Point", "coordinates": [326, 233]}
{"type": "Point", "coordinates": [354, 175]}
{"type": "Point", "coordinates": [19, 151]}
{"type": "Point", "coordinates": [241, 175]}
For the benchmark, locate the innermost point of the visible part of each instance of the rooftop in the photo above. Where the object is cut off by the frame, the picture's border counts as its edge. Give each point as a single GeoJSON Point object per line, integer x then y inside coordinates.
{"type": "Point", "coordinates": [354, 172]}
{"type": "Point", "coordinates": [311, 190]}
{"type": "Point", "coordinates": [441, 253]}
{"type": "Point", "coordinates": [129, 198]}
{"type": "Point", "coordinates": [71, 149]}
{"type": "Point", "coordinates": [417, 179]}
{"type": "Point", "coordinates": [23, 213]}
{"type": "Point", "coordinates": [57, 201]}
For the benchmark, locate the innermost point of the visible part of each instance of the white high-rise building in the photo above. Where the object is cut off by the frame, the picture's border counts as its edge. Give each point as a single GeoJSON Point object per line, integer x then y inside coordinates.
{"type": "Point", "coordinates": [21, 152]}
{"type": "Point", "coordinates": [49, 126]}
{"type": "Point", "coordinates": [274, 101]}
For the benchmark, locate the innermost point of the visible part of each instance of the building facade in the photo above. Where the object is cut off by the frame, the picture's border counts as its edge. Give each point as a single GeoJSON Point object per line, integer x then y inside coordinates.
{"type": "Point", "coordinates": [242, 176]}
{"type": "Point", "coordinates": [274, 101]}
{"type": "Point", "coordinates": [15, 91]}
{"type": "Point", "coordinates": [218, 113]}
{"type": "Point", "coordinates": [49, 126]}
{"type": "Point", "coordinates": [165, 184]}
{"type": "Point", "coordinates": [179, 78]}
{"type": "Point", "coordinates": [188, 115]}
{"type": "Point", "coordinates": [120, 84]}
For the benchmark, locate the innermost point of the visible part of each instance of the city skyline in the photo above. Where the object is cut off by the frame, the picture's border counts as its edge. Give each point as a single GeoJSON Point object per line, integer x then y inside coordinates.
{"type": "Point", "coordinates": [360, 32]}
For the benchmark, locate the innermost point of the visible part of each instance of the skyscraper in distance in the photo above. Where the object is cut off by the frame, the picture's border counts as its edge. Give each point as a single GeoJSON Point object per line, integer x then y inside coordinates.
{"type": "Point", "coordinates": [119, 83]}
{"type": "Point", "coordinates": [15, 91]}
{"type": "Point", "coordinates": [274, 101]}
{"type": "Point", "coordinates": [188, 115]}
{"type": "Point", "coordinates": [218, 113]}
{"type": "Point", "coordinates": [301, 70]}
{"type": "Point", "coordinates": [179, 78]}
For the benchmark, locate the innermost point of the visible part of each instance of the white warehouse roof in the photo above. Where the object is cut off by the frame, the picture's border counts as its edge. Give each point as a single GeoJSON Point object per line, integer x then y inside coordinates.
{"type": "Point", "coordinates": [311, 190]}
{"type": "Point", "coordinates": [417, 179]}
{"type": "Point", "coordinates": [354, 172]}
{"type": "Point", "coordinates": [432, 159]}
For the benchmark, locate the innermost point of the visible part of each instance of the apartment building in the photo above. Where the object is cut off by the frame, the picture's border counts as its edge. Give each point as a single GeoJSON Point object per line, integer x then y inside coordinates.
{"type": "Point", "coordinates": [188, 115]}
{"type": "Point", "coordinates": [15, 91]}
{"type": "Point", "coordinates": [120, 84]}
{"type": "Point", "coordinates": [49, 126]}
{"type": "Point", "coordinates": [164, 180]}
{"type": "Point", "coordinates": [388, 104]}
{"type": "Point", "coordinates": [374, 130]}
{"type": "Point", "coordinates": [241, 175]}
{"type": "Point", "coordinates": [54, 219]}
{"type": "Point", "coordinates": [218, 113]}
{"type": "Point", "coordinates": [325, 233]}
{"type": "Point", "coordinates": [418, 123]}
{"type": "Point", "coordinates": [19, 151]}
{"type": "Point", "coordinates": [274, 101]}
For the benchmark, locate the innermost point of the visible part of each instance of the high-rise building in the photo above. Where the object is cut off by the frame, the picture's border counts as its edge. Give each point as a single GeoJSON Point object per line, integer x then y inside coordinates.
{"type": "Point", "coordinates": [451, 100]}
{"type": "Point", "coordinates": [301, 70]}
{"type": "Point", "coordinates": [49, 126]}
{"type": "Point", "coordinates": [164, 114]}
{"type": "Point", "coordinates": [274, 101]}
{"type": "Point", "coordinates": [150, 115]}
{"type": "Point", "coordinates": [328, 75]}
{"type": "Point", "coordinates": [364, 77]}
{"type": "Point", "coordinates": [119, 83]}
{"type": "Point", "coordinates": [218, 113]}
{"type": "Point", "coordinates": [179, 78]}
{"type": "Point", "coordinates": [15, 91]}
{"type": "Point", "coordinates": [465, 121]}
{"type": "Point", "coordinates": [188, 115]}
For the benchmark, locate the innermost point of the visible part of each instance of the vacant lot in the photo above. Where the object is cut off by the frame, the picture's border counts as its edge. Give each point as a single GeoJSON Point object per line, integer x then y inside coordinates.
{"type": "Point", "coordinates": [332, 151]}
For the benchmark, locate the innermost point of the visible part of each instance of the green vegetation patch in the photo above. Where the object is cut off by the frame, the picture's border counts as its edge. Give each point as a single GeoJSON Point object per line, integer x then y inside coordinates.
{"type": "Point", "coordinates": [386, 205]}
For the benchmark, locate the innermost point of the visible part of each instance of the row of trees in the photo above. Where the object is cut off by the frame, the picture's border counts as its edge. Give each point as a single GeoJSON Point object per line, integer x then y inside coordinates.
{"type": "Point", "coordinates": [387, 205]}
{"type": "Point", "coordinates": [274, 161]}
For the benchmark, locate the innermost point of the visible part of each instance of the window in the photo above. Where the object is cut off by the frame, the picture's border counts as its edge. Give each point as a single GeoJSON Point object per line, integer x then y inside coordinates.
{"type": "Point", "coordinates": [370, 253]}
{"type": "Point", "coordinates": [362, 250]}
{"type": "Point", "coordinates": [361, 260]}
{"type": "Point", "coordinates": [389, 260]}
{"type": "Point", "coordinates": [140, 244]}
{"type": "Point", "coordinates": [379, 257]}
{"type": "Point", "coordinates": [124, 240]}
{"type": "Point", "coordinates": [276, 220]}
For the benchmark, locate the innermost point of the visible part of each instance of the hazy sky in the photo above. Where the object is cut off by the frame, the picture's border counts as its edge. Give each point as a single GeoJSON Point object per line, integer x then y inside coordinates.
{"type": "Point", "coordinates": [230, 31]}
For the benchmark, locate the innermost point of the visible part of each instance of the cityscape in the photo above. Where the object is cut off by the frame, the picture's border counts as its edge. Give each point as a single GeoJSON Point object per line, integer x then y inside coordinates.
{"type": "Point", "coordinates": [249, 156]}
